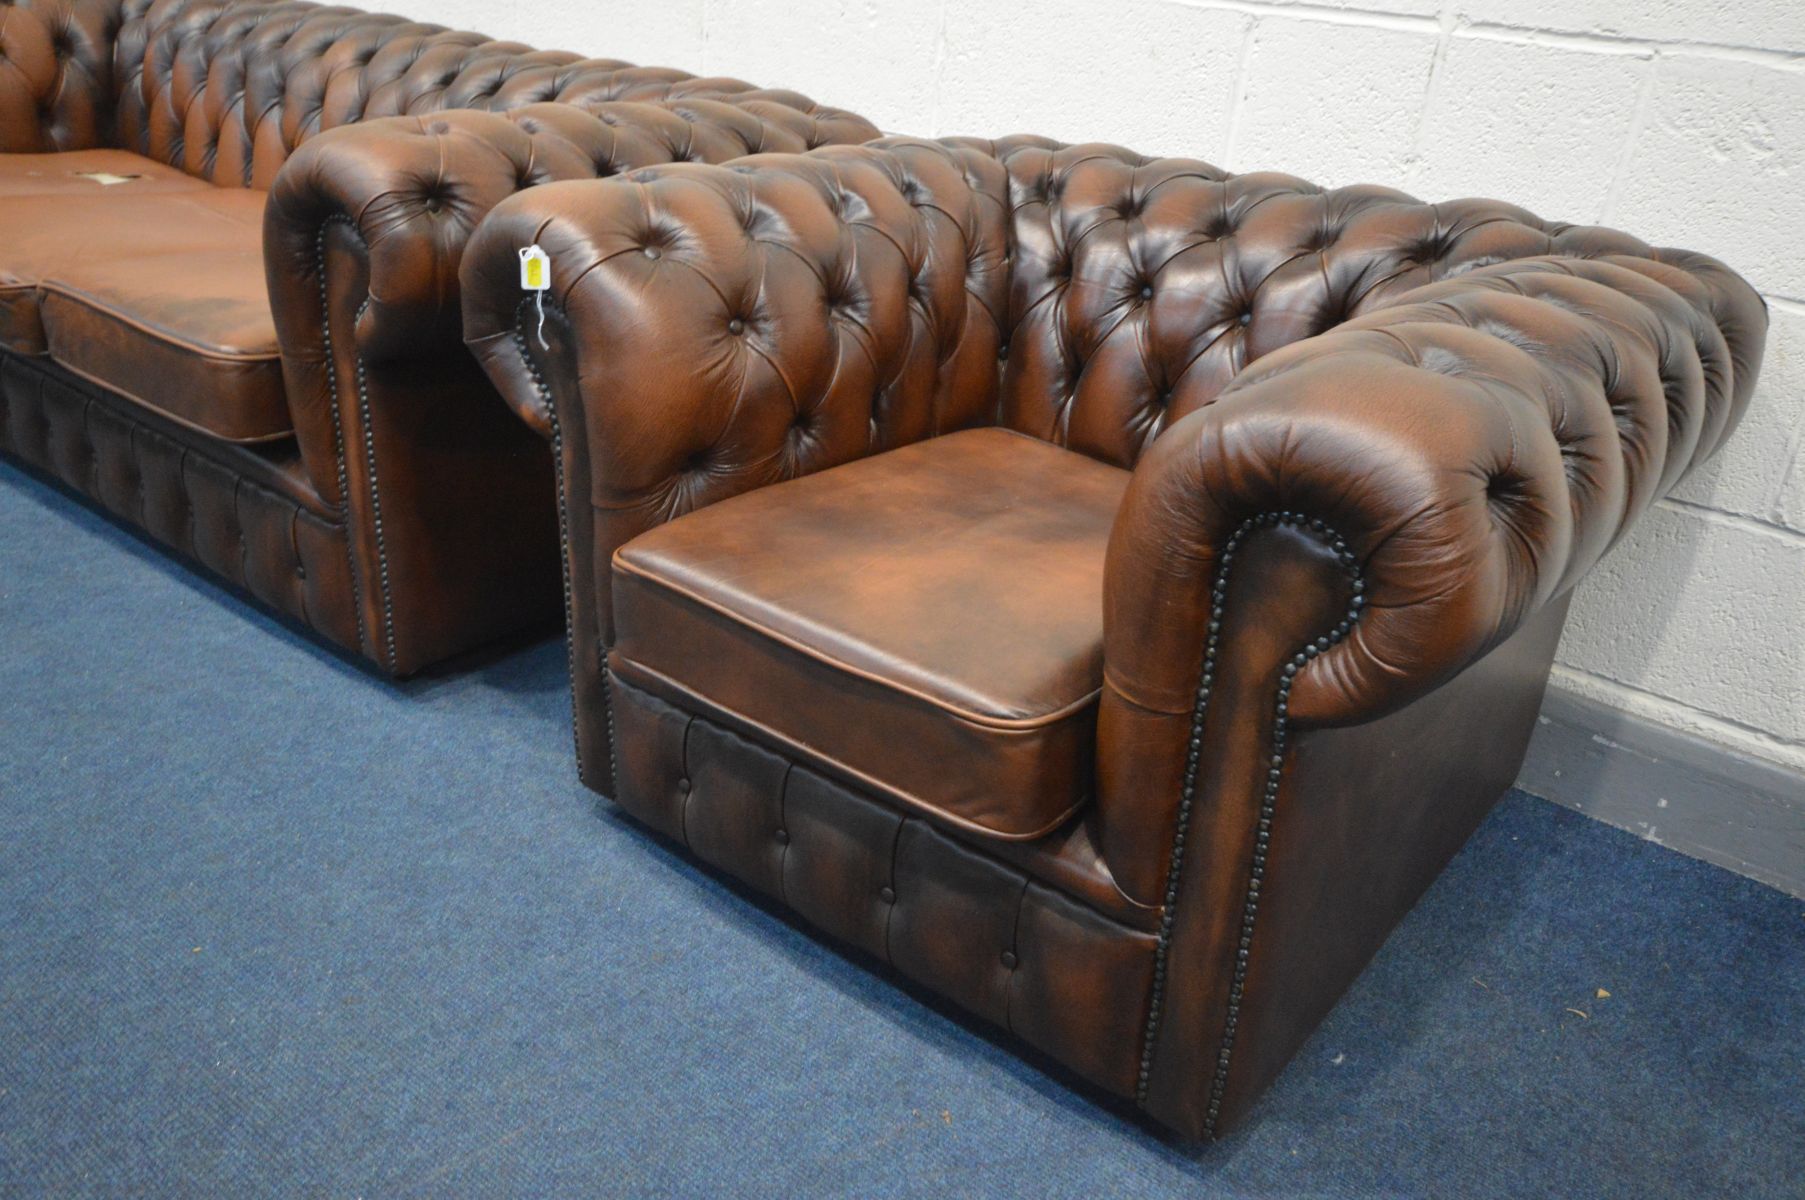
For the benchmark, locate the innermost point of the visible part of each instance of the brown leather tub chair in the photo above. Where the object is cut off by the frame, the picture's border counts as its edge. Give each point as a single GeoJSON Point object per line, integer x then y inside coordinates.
{"type": "Point", "coordinates": [1105, 588]}
{"type": "Point", "coordinates": [229, 243]}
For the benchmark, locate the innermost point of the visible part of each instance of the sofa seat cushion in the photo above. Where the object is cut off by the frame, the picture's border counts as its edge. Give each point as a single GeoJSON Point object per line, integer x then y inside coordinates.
{"type": "Point", "coordinates": [188, 335]}
{"type": "Point", "coordinates": [927, 622]}
{"type": "Point", "coordinates": [161, 298]}
{"type": "Point", "coordinates": [90, 173]}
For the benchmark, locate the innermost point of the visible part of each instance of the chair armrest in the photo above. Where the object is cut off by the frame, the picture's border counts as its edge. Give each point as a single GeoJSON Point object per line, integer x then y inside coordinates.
{"type": "Point", "coordinates": [1477, 444]}
{"type": "Point", "coordinates": [1331, 601]}
{"type": "Point", "coordinates": [56, 74]}
{"type": "Point", "coordinates": [1462, 456]}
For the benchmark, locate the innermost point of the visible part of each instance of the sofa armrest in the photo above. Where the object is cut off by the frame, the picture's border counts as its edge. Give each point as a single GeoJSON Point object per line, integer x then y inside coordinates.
{"type": "Point", "coordinates": [56, 74]}
{"type": "Point", "coordinates": [449, 499]}
{"type": "Point", "coordinates": [404, 195]}
{"type": "Point", "coordinates": [1331, 600]}
{"type": "Point", "coordinates": [711, 330]}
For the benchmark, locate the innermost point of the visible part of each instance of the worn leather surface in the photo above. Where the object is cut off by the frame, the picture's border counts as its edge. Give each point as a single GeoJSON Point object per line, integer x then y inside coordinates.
{"type": "Point", "coordinates": [1140, 287]}
{"type": "Point", "coordinates": [451, 527]}
{"type": "Point", "coordinates": [48, 234]}
{"type": "Point", "coordinates": [1374, 444]}
{"type": "Point", "coordinates": [83, 173]}
{"type": "Point", "coordinates": [188, 334]}
{"type": "Point", "coordinates": [940, 603]}
{"type": "Point", "coordinates": [178, 322]}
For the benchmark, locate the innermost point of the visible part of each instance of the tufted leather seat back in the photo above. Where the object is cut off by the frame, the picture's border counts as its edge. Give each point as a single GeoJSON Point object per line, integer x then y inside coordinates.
{"type": "Point", "coordinates": [1140, 287]}
{"type": "Point", "coordinates": [56, 72]}
{"type": "Point", "coordinates": [228, 89]}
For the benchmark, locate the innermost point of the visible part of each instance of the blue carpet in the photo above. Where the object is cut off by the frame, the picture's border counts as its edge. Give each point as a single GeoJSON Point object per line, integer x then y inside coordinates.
{"type": "Point", "coordinates": [271, 926]}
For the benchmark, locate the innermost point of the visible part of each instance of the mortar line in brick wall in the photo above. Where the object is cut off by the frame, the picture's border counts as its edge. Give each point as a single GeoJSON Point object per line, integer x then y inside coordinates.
{"type": "Point", "coordinates": [1784, 486]}
{"type": "Point", "coordinates": [1369, 18]}
{"type": "Point", "coordinates": [937, 114]}
{"type": "Point", "coordinates": [707, 68]}
{"type": "Point", "coordinates": [1232, 133]}
{"type": "Point", "coordinates": [1613, 43]}
{"type": "Point", "coordinates": [1645, 102]}
{"type": "Point", "coordinates": [1438, 61]}
{"type": "Point", "coordinates": [1730, 520]}
{"type": "Point", "coordinates": [1592, 41]}
{"type": "Point", "coordinates": [1678, 714]}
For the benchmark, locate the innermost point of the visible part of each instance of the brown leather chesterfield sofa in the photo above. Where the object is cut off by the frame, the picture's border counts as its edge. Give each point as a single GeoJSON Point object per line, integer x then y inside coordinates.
{"type": "Point", "coordinates": [230, 234]}
{"type": "Point", "coordinates": [1105, 588]}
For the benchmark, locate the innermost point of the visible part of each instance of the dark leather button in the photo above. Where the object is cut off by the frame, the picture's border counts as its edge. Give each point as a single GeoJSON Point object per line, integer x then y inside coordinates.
{"type": "Point", "coordinates": [887, 895]}
{"type": "Point", "coordinates": [783, 837]}
{"type": "Point", "coordinates": [1009, 959]}
{"type": "Point", "coordinates": [683, 786]}
{"type": "Point", "coordinates": [736, 326]}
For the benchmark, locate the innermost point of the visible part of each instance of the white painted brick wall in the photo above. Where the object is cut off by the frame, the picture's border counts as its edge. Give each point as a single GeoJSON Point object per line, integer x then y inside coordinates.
{"type": "Point", "coordinates": [1682, 121]}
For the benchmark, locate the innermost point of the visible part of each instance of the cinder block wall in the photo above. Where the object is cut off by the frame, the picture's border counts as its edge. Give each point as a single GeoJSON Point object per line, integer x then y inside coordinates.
{"type": "Point", "coordinates": [1682, 121]}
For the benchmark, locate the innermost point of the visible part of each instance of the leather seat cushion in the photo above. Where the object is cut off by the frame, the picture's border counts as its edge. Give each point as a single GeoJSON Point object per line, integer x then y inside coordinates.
{"type": "Point", "coordinates": [927, 621]}
{"type": "Point", "coordinates": [115, 173]}
{"type": "Point", "coordinates": [161, 298]}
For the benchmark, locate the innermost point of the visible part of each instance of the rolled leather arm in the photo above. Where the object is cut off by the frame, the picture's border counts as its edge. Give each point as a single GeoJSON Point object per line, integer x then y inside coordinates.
{"type": "Point", "coordinates": [56, 74]}
{"type": "Point", "coordinates": [1473, 447]}
{"type": "Point", "coordinates": [401, 197]}
{"type": "Point", "coordinates": [1298, 573]}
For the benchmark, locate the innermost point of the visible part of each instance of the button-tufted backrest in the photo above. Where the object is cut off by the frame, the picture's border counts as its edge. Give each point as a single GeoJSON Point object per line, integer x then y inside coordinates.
{"type": "Point", "coordinates": [56, 72]}
{"type": "Point", "coordinates": [858, 292]}
{"type": "Point", "coordinates": [1140, 287]}
{"type": "Point", "coordinates": [228, 89]}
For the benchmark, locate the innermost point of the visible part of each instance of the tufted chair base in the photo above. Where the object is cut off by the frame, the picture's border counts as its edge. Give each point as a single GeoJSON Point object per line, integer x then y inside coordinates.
{"type": "Point", "coordinates": [242, 513]}
{"type": "Point", "coordinates": [997, 941]}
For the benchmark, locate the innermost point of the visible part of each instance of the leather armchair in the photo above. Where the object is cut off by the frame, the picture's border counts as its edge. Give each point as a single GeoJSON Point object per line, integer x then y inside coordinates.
{"type": "Point", "coordinates": [1105, 588]}
{"type": "Point", "coordinates": [304, 419]}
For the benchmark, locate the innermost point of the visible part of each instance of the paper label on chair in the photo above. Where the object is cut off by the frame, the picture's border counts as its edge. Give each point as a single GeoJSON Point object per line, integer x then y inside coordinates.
{"type": "Point", "coordinates": [104, 178]}
{"type": "Point", "coordinates": [535, 269]}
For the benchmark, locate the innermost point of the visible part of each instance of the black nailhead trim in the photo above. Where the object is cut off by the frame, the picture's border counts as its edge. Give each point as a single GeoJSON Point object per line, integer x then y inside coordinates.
{"type": "Point", "coordinates": [1269, 799]}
